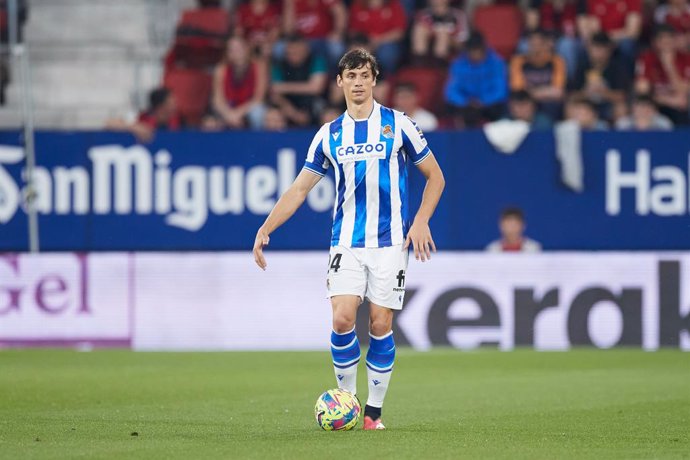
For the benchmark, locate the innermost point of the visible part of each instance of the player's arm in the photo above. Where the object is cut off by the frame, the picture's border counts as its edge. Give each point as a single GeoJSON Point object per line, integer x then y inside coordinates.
{"type": "Point", "coordinates": [286, 206]}
{"type": "Point", "coordinates": [419, 235]}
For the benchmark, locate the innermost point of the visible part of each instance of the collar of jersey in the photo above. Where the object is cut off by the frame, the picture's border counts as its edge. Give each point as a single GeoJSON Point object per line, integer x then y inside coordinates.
{"type": "Point", "coordinates": [373, 110]}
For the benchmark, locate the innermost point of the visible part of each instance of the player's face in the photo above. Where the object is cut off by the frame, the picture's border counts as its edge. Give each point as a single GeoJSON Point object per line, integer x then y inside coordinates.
{"type": "Point", "coordinates": [357, 84]}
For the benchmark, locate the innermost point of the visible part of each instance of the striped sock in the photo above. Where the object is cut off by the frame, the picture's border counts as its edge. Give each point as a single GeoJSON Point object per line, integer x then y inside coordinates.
{"type": "Point", "coordinates": [345, 351]}
{"type": "Point", "coordinates": [380, 359]}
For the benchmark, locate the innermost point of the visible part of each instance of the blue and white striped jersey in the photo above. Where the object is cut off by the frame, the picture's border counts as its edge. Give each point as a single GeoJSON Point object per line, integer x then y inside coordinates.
{"type": "Point", "coordinates": [369, 158]}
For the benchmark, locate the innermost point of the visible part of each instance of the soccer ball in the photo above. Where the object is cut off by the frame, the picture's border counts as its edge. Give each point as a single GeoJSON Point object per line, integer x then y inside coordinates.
{"type": "Point", "coordinates": [337, 410]}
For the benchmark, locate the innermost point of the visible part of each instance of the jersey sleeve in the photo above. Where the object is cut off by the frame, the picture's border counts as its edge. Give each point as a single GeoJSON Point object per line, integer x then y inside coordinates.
{"type": "Point", "coordinates": [316, 161]}
{"type": "Point", "coordinates": [413, 141]}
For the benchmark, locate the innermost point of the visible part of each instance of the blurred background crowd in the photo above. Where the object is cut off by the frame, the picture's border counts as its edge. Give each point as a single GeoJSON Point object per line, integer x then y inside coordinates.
{"type": "Point", "coordinates": [270, 64]}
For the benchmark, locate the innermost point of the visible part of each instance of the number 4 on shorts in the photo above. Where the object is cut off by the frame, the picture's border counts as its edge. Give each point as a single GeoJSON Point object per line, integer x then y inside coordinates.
{"type": "Point", "coordinates": [335, 262]}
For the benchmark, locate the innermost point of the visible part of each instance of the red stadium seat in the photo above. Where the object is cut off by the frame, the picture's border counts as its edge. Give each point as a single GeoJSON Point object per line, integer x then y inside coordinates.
{"type": "Point", "coordinates": [192, 90]}
{"type": "Point", "coordinates": [430, 84]}
{"type": "Point", "coordinates": [200, 38]}
{"type": "Point", "coordinates": [501, 26]}
{"type": "Point", "coordinates": [210, 20]}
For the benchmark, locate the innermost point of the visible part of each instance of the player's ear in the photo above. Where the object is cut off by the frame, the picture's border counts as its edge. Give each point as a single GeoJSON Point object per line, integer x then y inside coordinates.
{"type": "Point", "coordinates": [338, 81]}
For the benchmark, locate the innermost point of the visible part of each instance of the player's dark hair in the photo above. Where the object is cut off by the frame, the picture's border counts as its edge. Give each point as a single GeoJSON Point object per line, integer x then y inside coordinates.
{"type": "Point", "coordinates": [356, 59]}
{"type": "Point", "coordinates": [513, 212]}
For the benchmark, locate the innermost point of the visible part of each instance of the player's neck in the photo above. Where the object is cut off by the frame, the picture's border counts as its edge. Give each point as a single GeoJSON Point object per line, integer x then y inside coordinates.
{"type": "Point", "coordinates": [360, 111]}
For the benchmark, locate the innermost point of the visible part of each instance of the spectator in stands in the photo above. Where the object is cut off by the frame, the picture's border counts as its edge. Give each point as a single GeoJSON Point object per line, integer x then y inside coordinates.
{"type": "Point", "coordinates": [330, 113]}
{"type": "Point", "coordinates": [512, 227]}
{"type": "Point", "coordinates": [274, 120]}
{"type": "Point", "coordinates": [405, 100]}
{"type": "Point", "coordinates": [477, 88]}
{"type": "Point", "coordinates": [438, 32]}
{"type": "Point", "coordinates": [521, 106]}
{"type": "Point", "coordinates": [602, 76]}
{"type": "Point", "coordinates": [541, 73]}
{"type": "Point", "coordinates": [239, 88]}
{"type": "Point", "coordinates": [258, 21]}
{"type": "Point", "coordinates": [322, 22]}
{"type": "Point", "coordinates": [644, 117]}
{"type": "Point", "coordinates": [298, 81]}
{"type": "Point", "coordinates": [161, 115]}
{"type": "Point", "coordinates": [620, 19]}
{"type": "Point", "coordinates": [664, 73]}
{"type": "Point", "coordinates": [583, 111]}
{"type": "Point", "coordinates": [559, 18]}
{"type": "Point", "coordinates": [676, 13]}
{"type": "Point", "coordinates": [384, 23]}
{"type": "Point", "coordinates": [382, 88]}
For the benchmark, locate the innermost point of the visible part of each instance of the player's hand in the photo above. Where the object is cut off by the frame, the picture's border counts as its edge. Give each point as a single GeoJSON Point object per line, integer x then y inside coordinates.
{"type": "Point", "coordinates": [419, 237]}
{"type": "Point", "coordinates": [261, 240]}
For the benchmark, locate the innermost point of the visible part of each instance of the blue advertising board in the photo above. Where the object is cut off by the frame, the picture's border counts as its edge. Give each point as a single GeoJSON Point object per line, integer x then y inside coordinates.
{"type": "Point", "coordinates": [100, 191]}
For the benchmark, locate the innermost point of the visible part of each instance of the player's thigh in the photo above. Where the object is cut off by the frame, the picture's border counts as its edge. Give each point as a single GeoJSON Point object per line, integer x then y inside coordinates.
{"type": "Point", "coordinates": [347, 275]}
{"type": "Point", "coordinates": [386, 276]}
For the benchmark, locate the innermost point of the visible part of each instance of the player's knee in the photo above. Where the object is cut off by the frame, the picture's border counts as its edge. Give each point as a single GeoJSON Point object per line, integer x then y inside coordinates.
{"type": "Point", "coordinates": [380, 326]}
{"type": "Point", "coordinates": [343, 323]}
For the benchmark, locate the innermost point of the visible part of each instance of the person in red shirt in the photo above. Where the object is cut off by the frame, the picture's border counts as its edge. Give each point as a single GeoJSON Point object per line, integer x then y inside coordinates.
{"type": "Point", "coordinates": [676, 13]}
{"type": "Point", "coordinates": [664, 73]}
{"type": "Point", "coordinates": [439, 31]}
{"type": "Point", "coordinates": [239, 89]}
{"type": "Point", "coordinates": [161, 115]}
{"type": "Point", "coordinates": [321, 22]}
{"type": "Point", "coordinates": [383, 22]}
{"type": "Point", "coordinates": [620, 19]}
{"type": "Point", "coordinates": [258, 21]}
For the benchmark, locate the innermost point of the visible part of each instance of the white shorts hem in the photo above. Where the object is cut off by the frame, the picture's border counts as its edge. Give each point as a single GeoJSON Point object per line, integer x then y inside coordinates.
{"type": "Point", "coordinates": [384, 304]}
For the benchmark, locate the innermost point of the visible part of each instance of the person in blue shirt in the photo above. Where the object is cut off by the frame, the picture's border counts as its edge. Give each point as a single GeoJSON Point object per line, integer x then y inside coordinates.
{"type": "Point", "coordinates": [477, 87]}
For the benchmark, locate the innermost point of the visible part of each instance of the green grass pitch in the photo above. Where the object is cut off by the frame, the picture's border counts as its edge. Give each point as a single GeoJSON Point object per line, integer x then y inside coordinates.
{"type": "Point", "coordinates": [624, 404]}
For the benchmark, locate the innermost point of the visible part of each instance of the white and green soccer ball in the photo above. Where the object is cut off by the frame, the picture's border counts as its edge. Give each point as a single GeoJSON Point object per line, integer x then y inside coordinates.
{"type": "Point", "coordinates": [337, 410]}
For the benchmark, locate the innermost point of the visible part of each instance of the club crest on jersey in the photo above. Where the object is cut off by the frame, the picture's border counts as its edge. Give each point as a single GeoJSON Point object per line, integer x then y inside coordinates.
{"type": "Point", "coordinates": [359, 152]}
{"type": "Point", "coordinates": [387, 132]}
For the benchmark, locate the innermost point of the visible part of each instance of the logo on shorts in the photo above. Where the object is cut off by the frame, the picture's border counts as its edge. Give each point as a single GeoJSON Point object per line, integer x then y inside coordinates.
{"type": "Point", "coordinates": [401, 278]}
{"type": "Point", "coordinates": [387, 132]}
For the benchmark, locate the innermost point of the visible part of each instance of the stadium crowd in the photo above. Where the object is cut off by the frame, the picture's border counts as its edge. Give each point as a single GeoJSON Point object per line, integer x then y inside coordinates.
{"type": "Point", "coordinates": [606, 64]}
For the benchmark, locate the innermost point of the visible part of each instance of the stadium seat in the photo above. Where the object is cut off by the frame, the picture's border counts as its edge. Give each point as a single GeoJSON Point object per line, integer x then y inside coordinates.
{"type": "Point", "coordinates": [430, 84]}
{"type": "Point", "coordinates": [501, 26]}
{"type": "Point", "coordinates": [199, 38]}
{"type": "Point", "coordinates": [209, 20]}
{"type": "Point", "coordinates": [192, 90]}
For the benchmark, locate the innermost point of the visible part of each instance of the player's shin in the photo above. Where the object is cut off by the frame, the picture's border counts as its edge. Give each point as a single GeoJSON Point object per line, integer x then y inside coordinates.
{"type": "Point", "coordinates": [380, 359]}
{"type": "Point", "coordinates": [346, 354]}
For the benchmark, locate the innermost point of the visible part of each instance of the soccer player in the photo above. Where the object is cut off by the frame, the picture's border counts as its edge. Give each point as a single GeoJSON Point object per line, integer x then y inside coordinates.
{"type": "Point", "coordinates": [368, 147]}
